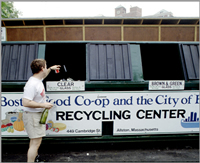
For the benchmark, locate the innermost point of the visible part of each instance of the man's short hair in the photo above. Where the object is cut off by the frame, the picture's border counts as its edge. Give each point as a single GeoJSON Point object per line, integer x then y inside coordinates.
{"type": "Point", "coordinates": [37, 64]}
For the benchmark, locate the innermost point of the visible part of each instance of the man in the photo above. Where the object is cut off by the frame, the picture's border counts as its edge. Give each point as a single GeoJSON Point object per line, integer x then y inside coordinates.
{"type": "Point", "coordinates": [34, 101]}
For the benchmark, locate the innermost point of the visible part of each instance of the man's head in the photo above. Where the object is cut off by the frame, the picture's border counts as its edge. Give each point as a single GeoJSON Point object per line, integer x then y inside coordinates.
{"type": "Point", "coordinates": [37, 65]}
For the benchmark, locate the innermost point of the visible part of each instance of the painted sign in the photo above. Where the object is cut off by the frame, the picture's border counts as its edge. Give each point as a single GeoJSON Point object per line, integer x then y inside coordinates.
{"type": "Point", "coordinates": [167, 85]}
{"type": "Point", "coordinates": [132, 113]}
{"type": "Point", "coordinates": [65, 85]}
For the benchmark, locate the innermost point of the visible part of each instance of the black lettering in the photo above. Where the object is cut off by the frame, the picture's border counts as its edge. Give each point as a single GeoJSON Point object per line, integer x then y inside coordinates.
{"type": "Point", "coordinates": [118, 115]}
{"type": "Point", "coordinates": [60, 114]}
{"type": "Point", "coordinates": [181, 112]}
{"type": "Point", "coordinates": [75, 115]}
{"type": "Point", "coordinates": [155, 113]}
{"type": "Point", "coordinates": [104, 118]}
{"type": "Point", "coordinates": [165, 113]}
{"type": "Point", "coordinates": [138, 114]}
{"type": "Point", "coordinates": [171, 114]}
{"type": "Point", "coordinates": [88, 115]}
{"type": "Point", "coordinates": [94, 117]}
{"type": "Point", "coordinates": [69, 115]}
{"type": "Point", "coordinates": [148, 115]}
{"type": "Point", "coordinates": [111, 115]}
{"type": "Point", "coordinates": [126, 116]}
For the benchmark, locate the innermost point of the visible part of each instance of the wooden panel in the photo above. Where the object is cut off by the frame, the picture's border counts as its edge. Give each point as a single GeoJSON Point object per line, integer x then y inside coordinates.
{"type": "Point", "coordinates": [177, 33]}
{"type": "Point", "coordinates": [140, 33]}
{"type": "Point", "coordinates": [197, 33]}
{"type": "Point", "coordinates": [62, 33]}
{"type": "Point", "coordinates": [103, 33]}
{"type": "Point", "coordinates": [25, 34]}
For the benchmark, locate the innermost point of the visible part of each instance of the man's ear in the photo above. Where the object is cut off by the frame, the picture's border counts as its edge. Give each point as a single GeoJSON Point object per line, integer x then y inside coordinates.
{"type": "Point", "coordinates": [42, 68]}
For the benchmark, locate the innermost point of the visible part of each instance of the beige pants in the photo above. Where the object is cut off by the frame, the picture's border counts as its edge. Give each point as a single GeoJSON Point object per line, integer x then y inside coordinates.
{"type": "Point", "coordinates": [32, 126]}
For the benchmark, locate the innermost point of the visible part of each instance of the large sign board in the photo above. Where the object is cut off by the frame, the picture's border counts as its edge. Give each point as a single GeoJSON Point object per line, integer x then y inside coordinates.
{"type": "Point", "coordinates": [132, 113]}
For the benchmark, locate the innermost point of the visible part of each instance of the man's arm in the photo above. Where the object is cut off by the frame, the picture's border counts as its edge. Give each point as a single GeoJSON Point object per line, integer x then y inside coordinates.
{"type": "Point", "coordinates": [55, 67]}
{"type": "Point", "coordinates": [33, 104]}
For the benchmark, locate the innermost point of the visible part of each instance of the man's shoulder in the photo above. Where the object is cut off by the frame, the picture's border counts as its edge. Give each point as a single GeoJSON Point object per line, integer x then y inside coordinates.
{"type": "Point", "coordinates": [33, 80]}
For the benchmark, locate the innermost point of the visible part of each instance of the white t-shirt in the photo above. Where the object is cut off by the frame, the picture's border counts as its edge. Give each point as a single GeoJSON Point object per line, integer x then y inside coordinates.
{"type": "Point", "coordinates": [34, 90]}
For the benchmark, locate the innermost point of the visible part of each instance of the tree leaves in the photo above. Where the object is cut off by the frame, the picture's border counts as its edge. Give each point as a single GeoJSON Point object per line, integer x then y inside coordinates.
{"type": "Point", "coordinates": [8, 10]}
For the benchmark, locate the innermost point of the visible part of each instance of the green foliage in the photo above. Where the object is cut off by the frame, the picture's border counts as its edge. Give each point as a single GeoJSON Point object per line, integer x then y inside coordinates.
{"type": "Point", "coordinates": [8, 10]}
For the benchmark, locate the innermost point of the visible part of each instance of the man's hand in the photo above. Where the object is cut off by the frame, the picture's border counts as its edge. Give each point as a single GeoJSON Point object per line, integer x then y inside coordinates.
{"type": "Point", "coordinates": [55, 67]}
{"type": "Point", "coordinates": [47, 105]}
